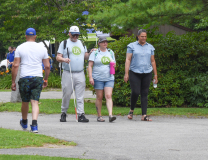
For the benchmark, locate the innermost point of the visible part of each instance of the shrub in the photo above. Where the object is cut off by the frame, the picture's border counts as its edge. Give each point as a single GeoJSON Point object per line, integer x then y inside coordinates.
{"type": "Point", "coordinates": [5, 80]}
{"type": "Point", "coordinates": [182, 62]}
{"type": "Point", "coordinates": [54, 80]}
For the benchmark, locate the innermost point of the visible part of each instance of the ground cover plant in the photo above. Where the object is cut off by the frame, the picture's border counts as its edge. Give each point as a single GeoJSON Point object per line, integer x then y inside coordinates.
{"type": "Point", "coordinates": [18, 139]}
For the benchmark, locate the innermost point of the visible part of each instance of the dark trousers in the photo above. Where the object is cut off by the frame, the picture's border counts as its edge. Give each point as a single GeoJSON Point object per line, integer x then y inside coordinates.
{"type": "Point", "coordinates": [139, 83]}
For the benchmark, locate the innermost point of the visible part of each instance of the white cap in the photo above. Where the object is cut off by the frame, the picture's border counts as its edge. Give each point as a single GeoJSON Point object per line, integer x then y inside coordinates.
{"type": "Point", "coordinates": [74, 30]}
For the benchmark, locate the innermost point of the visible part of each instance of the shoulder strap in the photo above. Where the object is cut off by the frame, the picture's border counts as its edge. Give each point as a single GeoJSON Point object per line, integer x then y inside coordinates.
{"type": "Point", "coordinates": [65, 41]}
{"type": "Point", "coordinates": [83, 43]}
{"type": "Point", "coordinates": [96, 53]}
{"type": "Point", "coordinates": [109, 50]}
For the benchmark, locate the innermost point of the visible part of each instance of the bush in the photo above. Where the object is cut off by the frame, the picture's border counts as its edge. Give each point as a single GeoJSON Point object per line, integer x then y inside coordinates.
{"type": "Point", "coordinates": [5, 80]}
{"type": "Point", "coordinates": [54, 81]}
{"type": "Point", "coordinates": [182, 62]}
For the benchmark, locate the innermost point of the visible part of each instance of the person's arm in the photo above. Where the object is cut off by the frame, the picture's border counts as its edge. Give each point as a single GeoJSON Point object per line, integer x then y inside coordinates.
{"type": "Point", "coordinates": [7, 63]}
{"type": "Point", "coordinates": [86, 57]}
{"type": "Point", "coordinates": [47, 71]}
{"type": "Point", "coordinates": [90, 65]}
{"type": "Point", "coordinates": [8, 59]}
{"type": "Point", "coordinates": [127, 65]}
{"type": "Point", "coordinates": [154, 68]}
{"type": "Point", "coordinates": [60, 58]}
{"type": "Point", "coordinates": [14, 72]}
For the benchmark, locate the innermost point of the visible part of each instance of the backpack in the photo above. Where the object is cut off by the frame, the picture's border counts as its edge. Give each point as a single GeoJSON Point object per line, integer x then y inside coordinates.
{"type": "Point", "coordinates": [109, 50]}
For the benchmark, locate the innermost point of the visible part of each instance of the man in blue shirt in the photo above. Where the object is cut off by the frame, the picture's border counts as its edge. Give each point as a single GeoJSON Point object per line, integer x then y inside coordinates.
{"type": "Point", "coordinates": [10, 57]}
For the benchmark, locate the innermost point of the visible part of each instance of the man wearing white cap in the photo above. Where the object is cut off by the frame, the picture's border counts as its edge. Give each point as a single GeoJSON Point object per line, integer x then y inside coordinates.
{"type": "Point", "coordinates": [76, 55]}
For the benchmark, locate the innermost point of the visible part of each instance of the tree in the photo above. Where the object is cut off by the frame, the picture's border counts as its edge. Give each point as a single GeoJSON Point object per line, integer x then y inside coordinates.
{"type": "Point", "coordinates": [50, 18]}
{"type": "Point", "coordinates": [123, 16]}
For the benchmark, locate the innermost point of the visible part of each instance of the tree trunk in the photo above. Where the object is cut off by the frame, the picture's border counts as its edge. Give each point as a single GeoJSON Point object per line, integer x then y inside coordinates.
{"type": "Point", "coordinates": [15, 95]}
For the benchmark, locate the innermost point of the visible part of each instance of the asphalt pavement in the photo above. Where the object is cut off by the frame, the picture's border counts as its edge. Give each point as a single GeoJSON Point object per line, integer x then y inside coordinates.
{"type": "Point", "coordinates": [165, 138]}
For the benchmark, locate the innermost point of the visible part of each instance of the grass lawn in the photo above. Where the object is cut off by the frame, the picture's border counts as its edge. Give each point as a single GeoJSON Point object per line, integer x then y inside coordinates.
{"type": "Point", "coordinates": [18, 139]}
{"type": "Point", "coordinates": [32, 157]}
{"type": "Point", "coordinates": [53, 106]}
{"type": "Point", "coordinates": [5, 90]}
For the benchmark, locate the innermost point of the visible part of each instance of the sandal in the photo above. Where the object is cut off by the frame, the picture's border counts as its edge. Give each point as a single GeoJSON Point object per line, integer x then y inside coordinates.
{"type": "Point", "coordinates": [146, 119]}
{"type": "Point", "coordinates": [130, 115]}
{"type": "Point", "coordinates": [100, 119]}
{"type": "Point", "coordinates": [112, 118]}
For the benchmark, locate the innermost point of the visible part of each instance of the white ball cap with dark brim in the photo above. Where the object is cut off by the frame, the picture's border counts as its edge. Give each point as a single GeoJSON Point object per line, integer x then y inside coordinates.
{"type": "Point", "coordinates": [74, 30]}
{"type": "Point", "coordinates": [101, 39]}
{"type": "Point", "coordinates": [30, 32]}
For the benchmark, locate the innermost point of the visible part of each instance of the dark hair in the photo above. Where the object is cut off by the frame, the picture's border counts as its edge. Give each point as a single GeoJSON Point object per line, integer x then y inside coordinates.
{"type": "Point", "coordinates": [140, 31]}
{"type": "Point", "coordinates": [11, 47]}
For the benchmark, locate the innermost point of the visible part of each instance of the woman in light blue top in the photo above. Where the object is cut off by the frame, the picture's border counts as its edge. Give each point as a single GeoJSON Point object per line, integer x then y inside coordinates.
{"type": "Point", "coordinates": [140, 62]}
{"type": "Point", "coordinates": [100, 77]}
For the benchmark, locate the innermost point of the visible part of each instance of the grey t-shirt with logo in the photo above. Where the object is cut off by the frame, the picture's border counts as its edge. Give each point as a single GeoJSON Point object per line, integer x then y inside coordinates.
{"type": "Point", "coordinates": [101, 66]}
{"type": "Point", "coordinates": [76, 55]}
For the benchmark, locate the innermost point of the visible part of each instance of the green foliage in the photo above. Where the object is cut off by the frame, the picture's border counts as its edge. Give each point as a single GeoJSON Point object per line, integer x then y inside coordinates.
{"type": "Point", "coordinates": [51, 19]}
{"type": "Point", "coordinates": [121, 93]}
{"type": "Point", "coordinates": [6, 81]}
{"type": "Point", "coordinates": [54, 80]}
{"type": "Point", "coordinates": [130, 14]}
{"type": "Point", "coordinates": [182, 62]}
{"type": "Point", "coordinates": [198, 90]}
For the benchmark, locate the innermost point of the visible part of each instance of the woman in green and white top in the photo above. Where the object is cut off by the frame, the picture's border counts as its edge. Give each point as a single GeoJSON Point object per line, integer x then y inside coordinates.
{"type": "Point", "coordinates": [100, 77]}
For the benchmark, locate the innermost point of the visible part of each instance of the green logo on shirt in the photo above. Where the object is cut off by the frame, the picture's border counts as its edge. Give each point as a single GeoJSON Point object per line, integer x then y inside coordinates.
{"type": "Point", "coordinates": [76, 50]}
{"type": "Point", "coordinates": [105, 60]}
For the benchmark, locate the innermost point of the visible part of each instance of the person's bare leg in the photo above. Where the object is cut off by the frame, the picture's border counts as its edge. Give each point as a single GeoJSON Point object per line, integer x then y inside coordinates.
{"type": "Point", "coordinates": [98, 103]}
{"type": "Point", "coordinates": [109, 102]}
{"type": "Point", "coordinates": [108, 96]}
{"type": "Point", "coordinates": [35, 109]}
{"type": "Point", "coordinates": [25, 109]}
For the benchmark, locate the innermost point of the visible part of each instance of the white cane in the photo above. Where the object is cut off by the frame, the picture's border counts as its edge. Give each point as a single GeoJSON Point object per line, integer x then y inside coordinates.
{"type": "Point", "coordinates": [75, 104]}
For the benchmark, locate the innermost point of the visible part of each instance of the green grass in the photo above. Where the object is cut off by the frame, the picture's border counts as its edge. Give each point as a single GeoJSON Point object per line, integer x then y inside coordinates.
{"type": "Point", "coordinates": [5, 90]}
{"type": "Point", "coordinates": [18, 139]}
{"type": "Point", "coordinates": [32, 157]}
{"type": "Point", "coordinates": [53, 106]}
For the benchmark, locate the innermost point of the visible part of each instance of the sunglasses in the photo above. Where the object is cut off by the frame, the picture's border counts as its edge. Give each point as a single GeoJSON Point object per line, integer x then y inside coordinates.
{"type": "Point", "coordinates": [104, 42]}
{"type": "Point", "coordinates": [75, 35]}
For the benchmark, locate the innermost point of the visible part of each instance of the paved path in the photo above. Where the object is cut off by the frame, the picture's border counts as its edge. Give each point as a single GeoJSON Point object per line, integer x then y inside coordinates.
{"type": "Point", "coordinates": [165, 138]}
{"type": "Point", "coordinates": [6, 96]}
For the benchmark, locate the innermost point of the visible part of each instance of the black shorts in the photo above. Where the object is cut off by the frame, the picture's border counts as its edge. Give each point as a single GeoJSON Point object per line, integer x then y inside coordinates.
{"type": "Point", "coordinates": [30, 88]}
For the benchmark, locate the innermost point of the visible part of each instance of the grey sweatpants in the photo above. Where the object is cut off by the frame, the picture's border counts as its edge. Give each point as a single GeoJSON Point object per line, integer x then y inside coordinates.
{"type": "Point", "coordinates": [79, 87]}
